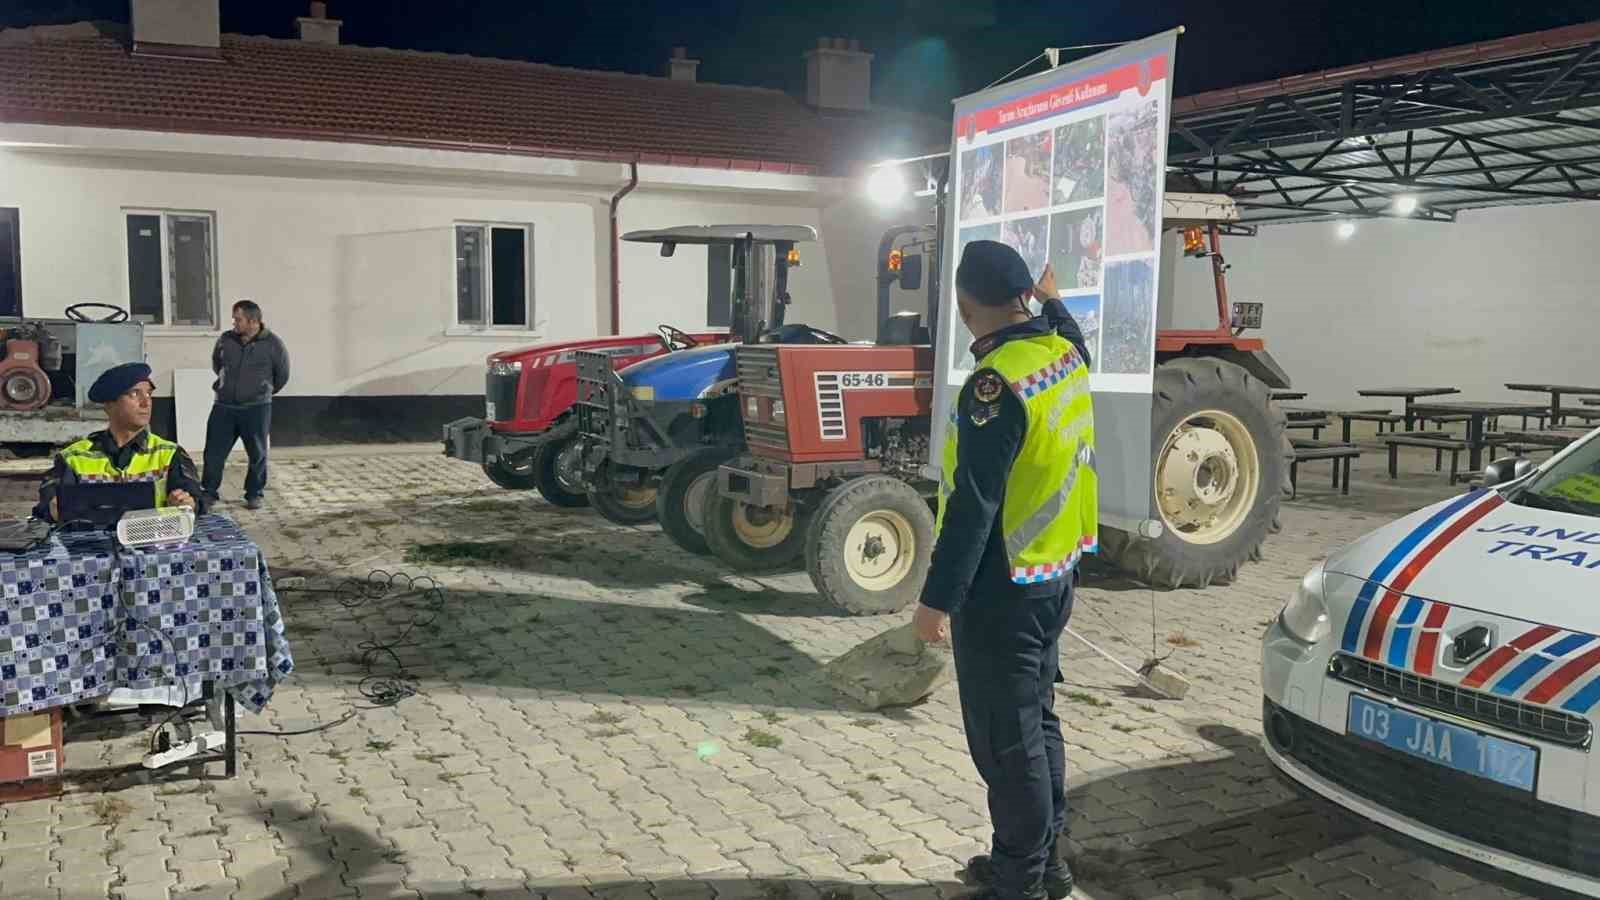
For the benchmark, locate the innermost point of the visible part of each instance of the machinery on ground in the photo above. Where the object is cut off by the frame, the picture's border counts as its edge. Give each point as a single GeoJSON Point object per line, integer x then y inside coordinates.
{"type": "Point", "coordinates": [48, 366]}
{"type": "Point", "coordinates": [528, 436]}
{"type": "Point", "coordinates": [838, 442]}
{"type": "Point", "coordinates": [654, 433]}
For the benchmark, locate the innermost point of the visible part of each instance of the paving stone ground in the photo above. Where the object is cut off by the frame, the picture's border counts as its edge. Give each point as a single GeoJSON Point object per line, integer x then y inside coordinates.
{"type": "Point", "coordinates": [599, 714]}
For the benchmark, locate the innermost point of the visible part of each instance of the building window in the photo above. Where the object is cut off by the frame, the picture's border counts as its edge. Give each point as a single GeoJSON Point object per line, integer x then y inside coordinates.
{"type": "Point", "coordinates": [172, 268]}
{"type": "Point", "coordinates": [493, 268]}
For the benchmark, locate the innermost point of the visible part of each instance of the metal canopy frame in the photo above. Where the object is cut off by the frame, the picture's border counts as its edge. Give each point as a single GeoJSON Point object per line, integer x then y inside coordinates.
{"type": "Point", "coordinates": [1508, 122]}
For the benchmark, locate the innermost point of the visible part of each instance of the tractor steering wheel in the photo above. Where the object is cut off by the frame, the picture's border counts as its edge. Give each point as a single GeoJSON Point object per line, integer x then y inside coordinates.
{"type": "Point", "coordinates": [796, 333]}
{"type": "Point", "coordinates": [674, 336]}
{"type": "Point", "coordinates": [117, 314]}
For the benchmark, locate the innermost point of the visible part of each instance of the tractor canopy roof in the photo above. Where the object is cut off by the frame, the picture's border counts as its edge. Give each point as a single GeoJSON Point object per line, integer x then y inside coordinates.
{"type": "Point", "coordinates": [724, 234]}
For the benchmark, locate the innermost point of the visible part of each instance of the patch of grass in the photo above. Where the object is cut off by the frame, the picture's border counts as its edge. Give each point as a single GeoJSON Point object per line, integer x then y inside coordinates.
{"type": "Point", "coordinates": [604, 718]}
{"type": "Point", "coordinates": [359, 793]}
{"type": "Point", "coordinates": [874, 859]}
{"type": "Point", "coordinates": [379, 746]}
{"type": "Point", "coordinates": [110, 811]}
{"type": "Point", "coordinates": [769, 671]}
{"type": "Point", "coordinates": [1088, 699]}
{"type": "Point", "coordinates": [430, 757]}
{"type": "Point", "coordinates": [865, 723]}
{"type": "Point", "coordinates": [853, 795]}
{"type": "Point", "coordinates": [395, 857]}
{"type": "Point", "coordinates": [1147, 707]}
{"type": "Point", "coordinates": [458, 553]}
{"type": "Point", "coordinates": [450, 777]}
{"type": "Point", "coordinates": [1122, 728]}
{"type": "Point", "coordinates": [874, 777]}
{"type": "Point", "coordinates": [764, 739]}
{"type": "Point", "coordinates": [215, 831]}
{"type": "Point", "coordinates": [335, 754]}
{"type": "Point", "coordinates": [771, 718]}
{"type": "Point", "coordinates": [260, 791]}
{"type": "Point", "coordinates": [610, 733]}
{"type": "Point", "coordinates": [1182, 640]}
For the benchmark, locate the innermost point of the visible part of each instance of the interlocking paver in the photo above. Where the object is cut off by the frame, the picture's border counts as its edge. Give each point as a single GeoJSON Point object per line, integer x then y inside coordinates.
{"type": "Point", "coordinates": [584, 714]}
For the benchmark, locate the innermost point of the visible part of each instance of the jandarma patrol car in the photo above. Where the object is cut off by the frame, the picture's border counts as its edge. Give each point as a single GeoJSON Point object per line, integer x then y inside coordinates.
{"type": "Point", "coordinates": [1441, 676]}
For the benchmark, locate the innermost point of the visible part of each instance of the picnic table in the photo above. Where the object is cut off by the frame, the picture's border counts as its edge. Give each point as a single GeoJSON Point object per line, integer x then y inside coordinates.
{"type": "Point", "coordinates": [1410, 394]}
{"type": "Point", "coordinates": [1589, 401]}
{"type": "Point", "coordinates": [1478, 414]}
{"type": "Point", "coordinates": [1555, 391]}
{"type": "Point", "coordinates": [1288, 395]}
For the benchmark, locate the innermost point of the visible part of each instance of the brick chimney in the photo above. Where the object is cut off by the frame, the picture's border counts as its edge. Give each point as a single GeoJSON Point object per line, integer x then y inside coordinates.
{"type": "Point", "coordinates": [176, 28]}
{"type": "Point", "coordinates": [680, 67]}
{"type": "Point", "coordinates": [839, 75]}
{"type": "Point", "coordinates": [317, 28]}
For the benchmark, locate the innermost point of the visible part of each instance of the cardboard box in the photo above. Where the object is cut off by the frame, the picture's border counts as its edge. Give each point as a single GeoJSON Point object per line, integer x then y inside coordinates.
{"type": "Point", "coordinates": [31, 755]}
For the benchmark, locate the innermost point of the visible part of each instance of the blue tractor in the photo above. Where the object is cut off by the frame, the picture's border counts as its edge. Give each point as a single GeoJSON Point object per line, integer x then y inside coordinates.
{"type": "Point", "coordinates": [654, 433]}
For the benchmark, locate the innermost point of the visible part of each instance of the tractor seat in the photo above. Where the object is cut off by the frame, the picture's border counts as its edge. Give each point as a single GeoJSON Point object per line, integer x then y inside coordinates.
{"type": "Point", "coordinates": [903, 328]}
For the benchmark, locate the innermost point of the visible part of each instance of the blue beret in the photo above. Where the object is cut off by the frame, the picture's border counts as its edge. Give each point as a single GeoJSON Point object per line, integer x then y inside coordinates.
{"type": "Point", "coordinates": [993, 273]}
{"type": "Point", "coordinates": [118, 380]}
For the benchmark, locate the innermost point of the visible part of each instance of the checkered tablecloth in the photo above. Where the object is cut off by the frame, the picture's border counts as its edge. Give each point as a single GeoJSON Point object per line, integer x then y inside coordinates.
{"type": "Point", "coordinates": [82, 616]}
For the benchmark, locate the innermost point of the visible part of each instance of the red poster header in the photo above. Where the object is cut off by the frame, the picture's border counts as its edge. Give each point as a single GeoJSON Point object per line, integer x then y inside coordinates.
{"type": "Point", "coordinates": [1053, 101]}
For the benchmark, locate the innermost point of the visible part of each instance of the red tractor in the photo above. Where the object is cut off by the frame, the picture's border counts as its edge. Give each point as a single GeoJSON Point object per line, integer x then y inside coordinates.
{"type": "Point", "coordinates": [838, 437]}
{"type": "Point", "coordinates": [528, 435]}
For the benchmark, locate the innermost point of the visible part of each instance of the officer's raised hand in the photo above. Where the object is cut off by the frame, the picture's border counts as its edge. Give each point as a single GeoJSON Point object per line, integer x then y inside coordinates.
{"type": "Point", "coordinates": [931, 625]}
{"type": "Point", "coordinates": [1046, 288]}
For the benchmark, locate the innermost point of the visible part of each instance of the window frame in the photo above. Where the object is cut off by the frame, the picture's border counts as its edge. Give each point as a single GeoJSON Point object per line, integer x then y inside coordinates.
{"type": "Point", "coordinates": [167, 301]}
{"type": "Point", "coordinates": [487, 246]}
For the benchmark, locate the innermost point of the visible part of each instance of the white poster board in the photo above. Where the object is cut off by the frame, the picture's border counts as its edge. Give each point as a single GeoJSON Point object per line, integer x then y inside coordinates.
{"type": "Point", "coordinates": [1069, 167]}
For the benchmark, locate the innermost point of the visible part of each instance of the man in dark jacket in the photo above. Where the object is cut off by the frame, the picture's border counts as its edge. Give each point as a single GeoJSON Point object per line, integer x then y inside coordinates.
{"type": "Point", "coordinates": [251, 365]}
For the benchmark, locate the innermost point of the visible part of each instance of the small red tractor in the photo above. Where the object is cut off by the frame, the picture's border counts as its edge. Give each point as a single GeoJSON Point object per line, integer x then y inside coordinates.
{"type": "Point", "coordinates": [836, 469]}
{"type": "Point", "coordinates": [528, 436]}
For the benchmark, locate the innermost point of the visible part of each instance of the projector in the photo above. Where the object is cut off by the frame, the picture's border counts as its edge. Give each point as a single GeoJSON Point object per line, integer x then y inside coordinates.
{"type": "Point", "coordinates": [150, 527]}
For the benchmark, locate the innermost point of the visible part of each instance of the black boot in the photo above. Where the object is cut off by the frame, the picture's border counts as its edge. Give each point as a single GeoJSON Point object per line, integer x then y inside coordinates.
{"type": "Point", "coordinates": [1057, 876]}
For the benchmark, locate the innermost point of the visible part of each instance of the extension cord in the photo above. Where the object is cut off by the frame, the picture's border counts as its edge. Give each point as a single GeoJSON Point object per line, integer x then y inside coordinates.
{"type": "Point", "coordinates": [203, 742]}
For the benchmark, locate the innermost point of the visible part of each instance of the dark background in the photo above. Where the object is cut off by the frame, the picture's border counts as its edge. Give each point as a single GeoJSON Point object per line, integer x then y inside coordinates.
{"type": "Point", "coordinates": [927, 51]}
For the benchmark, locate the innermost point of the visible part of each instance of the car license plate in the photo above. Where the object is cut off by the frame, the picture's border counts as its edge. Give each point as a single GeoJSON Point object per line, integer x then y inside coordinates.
{"type": "Point", "coordinates": [488, 411]}
{"type": "Point", "coordinates": [1462, 749]}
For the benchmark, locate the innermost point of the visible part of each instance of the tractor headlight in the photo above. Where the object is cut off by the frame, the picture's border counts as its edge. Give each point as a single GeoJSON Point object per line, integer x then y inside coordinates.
{"type": "Point", "coordinates": [1305, 616]}
{"type": "Point", "coordinates": [752, 408]}
{"type": "Point", "coordinates": [643, 392]}
{"type": "Point", "coordinates": [777, 411]}
{"type": "Point", "coordinates": [505, 367]}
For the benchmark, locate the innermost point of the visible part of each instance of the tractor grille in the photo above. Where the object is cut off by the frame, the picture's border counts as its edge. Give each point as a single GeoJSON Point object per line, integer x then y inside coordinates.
{"type": "Point", "coordinates": [758, 377]}
{"type": "Point", "coordinates": [1475, 809]}
{"type": "Point", "coordinates": [596, 383]}
{"type": "Point", "coordinates": [1550, 725]}
{"type": "Point", "coordinates": [830, 407]}
{"type": "Point", "coordinates": [500, 395]}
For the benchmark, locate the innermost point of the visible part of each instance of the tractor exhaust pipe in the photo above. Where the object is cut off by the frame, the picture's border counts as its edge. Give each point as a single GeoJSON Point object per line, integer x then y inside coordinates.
{"type": "Point", "coordinates": [616, 244]}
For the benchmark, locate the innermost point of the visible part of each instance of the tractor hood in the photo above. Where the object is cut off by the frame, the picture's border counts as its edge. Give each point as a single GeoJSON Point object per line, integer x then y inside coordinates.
{"type": "Point", "coordinates": [627, 345]}
{"type": "Point", "coordinates": [685, 374]}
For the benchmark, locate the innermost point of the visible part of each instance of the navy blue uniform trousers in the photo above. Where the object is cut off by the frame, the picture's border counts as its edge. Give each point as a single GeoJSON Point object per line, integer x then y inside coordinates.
{"type": "Point", "coordinates": [1007, 645]}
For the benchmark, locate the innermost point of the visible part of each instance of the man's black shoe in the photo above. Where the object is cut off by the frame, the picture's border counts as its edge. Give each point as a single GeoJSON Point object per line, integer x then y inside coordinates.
{"type": "Point", "coordinates": [252, 503]}
{"type": "Point", "coordinates": [1057, 876]}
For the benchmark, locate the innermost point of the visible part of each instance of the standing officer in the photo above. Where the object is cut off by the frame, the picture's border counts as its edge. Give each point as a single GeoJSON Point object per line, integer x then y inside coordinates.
{"type": "Point", "coordinates": [1017, 508]}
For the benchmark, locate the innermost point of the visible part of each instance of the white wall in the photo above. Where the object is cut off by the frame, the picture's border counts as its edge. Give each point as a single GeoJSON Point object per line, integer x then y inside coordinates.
{"type": "Point", "coordinates": [357, 273]}
{"type": "Point", "coordinates": [1500, 295]}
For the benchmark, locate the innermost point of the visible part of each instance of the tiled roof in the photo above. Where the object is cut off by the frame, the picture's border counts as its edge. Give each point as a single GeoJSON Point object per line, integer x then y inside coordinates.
{"type": "Point", "coordinates": [85, 75]}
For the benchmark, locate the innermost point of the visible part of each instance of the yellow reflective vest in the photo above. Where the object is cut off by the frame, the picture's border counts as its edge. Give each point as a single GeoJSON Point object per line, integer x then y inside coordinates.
{"type": "Point", "coordinates": [88, 464]}
{"type": "Point", "coordinates": [1050, 515]}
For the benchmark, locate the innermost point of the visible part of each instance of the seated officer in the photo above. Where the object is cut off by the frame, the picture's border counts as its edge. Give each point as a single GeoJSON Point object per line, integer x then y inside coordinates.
{"type": "Point", "coordinates": [124, 451]}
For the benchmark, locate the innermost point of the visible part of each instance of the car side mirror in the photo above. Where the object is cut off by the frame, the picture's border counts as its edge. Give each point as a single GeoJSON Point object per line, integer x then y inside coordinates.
{"type": "Point", "coordinates": [911, 272]}
{"type": "Point", "coordinates": [1504, 471]}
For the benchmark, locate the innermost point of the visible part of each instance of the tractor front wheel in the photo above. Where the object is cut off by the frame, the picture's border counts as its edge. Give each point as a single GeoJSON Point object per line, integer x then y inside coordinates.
{"type": "Point", "coordinates": [1221, 455]}
{"type": "Point", "coordinates": [558, 472]}
{"type": "Point", "coordinates": [622, 504]}
{"type": "Point", "coordinates": [685, 492]}
{"type": "Point", "coordinates": [513, 474]}
{"type": "Point", "coordinates": [754, 539]}
{"type": "Point", "coordinates": [869, 541]}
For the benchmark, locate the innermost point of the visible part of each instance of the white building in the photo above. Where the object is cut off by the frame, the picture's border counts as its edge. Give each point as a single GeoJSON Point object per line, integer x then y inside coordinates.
{"type": "Point", "coordinates": [399, 215]}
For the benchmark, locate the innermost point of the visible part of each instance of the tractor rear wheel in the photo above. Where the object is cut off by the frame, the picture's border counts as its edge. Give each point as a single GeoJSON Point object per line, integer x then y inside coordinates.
{"type": "Point", "coordinates": [622, 504]}
{"type": "Point", "coordinates": [1221, 454]}
{"type": "Point", "coordinates": [869, 540]}
{"type": "Point", "coordinates": [685, 492]}
{"type": "Point", "coordinates": [557, 470]}
{"type": "Point", "coordinates": [755, 539]}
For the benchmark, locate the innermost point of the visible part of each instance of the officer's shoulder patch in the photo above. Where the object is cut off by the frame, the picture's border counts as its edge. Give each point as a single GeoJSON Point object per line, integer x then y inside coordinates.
{"type": "Point", "coordinates": [987, 386]}
{"type": "Point", "coordinates": [984, 413]}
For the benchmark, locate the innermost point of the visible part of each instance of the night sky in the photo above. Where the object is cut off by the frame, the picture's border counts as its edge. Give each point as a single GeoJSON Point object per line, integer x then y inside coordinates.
{"type": "Point", "coordinates": [927, 51]}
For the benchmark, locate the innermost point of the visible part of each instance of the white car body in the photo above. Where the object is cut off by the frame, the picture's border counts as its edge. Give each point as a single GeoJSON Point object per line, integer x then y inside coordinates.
{"type": "Point", "coordinates": [1520, 587]}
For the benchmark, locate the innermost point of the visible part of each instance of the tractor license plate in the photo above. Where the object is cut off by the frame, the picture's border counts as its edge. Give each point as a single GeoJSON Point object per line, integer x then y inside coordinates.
{"type": "Point", "coordinates": [1484, 755]}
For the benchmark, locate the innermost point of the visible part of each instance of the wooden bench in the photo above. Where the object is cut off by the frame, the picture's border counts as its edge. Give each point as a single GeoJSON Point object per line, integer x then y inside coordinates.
{"type": "Point", "coordinates": [1393, 420]}
{"type": "Point", "coordinates": [1315, 425]}
{"type": "Point", "coordinates": [1440, 444]}
{"type": "Point", "coordinates": [1312, 451]}
{"type": "Point", "coordinates": [1521, 448]}
{"type": "Point", "coordinates": [1443, 420]}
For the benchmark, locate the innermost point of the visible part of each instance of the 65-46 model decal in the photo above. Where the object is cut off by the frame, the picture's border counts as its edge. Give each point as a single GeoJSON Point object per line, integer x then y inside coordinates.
{"type": "Point", "coordinates": [830, 387]}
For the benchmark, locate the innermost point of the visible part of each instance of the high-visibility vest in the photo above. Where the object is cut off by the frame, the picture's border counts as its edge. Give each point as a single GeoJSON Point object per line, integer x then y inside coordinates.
{"type": "Point", "coordinates": [1050, 516]}
{"type": "Point", "coordinates": [89, 464]}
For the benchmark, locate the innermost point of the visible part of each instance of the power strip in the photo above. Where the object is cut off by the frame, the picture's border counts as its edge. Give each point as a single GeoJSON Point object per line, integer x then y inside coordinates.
{"type": "Point", "coordinates": [204, 742]}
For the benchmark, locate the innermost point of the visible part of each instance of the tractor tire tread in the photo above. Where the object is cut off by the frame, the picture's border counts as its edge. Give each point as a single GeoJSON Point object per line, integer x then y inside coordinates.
{"type": "Point", "coordinates": [830, 529]}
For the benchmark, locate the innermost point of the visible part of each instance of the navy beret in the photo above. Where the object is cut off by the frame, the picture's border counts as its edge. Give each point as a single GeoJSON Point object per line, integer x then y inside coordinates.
{"type": "Point", "coordinates": [993, 273]}
{"type": "Point", "coordinates": [118, 380]}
